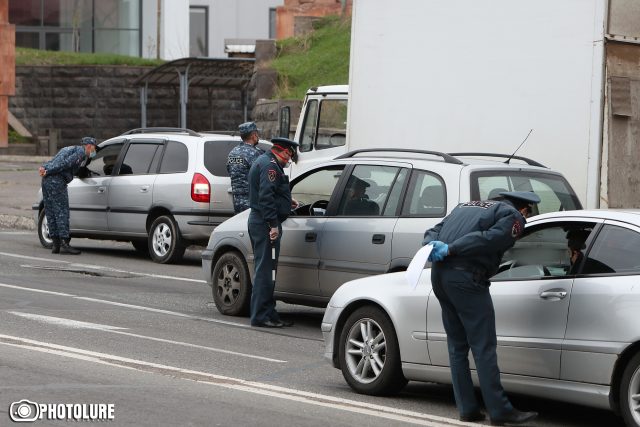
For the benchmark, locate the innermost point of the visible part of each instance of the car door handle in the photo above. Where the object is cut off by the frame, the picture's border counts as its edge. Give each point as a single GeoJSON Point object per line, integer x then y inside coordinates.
{"type": "Point", "coordinates": [377, 239]}
{"type": "Point", "coordinates": [559, 294]}
{"type": "Point", "coordinates": [144, 188]}
{"type": "Point", "coordinates": [101, 189]}
{"type": "Point", "coordinates": [310, 237]}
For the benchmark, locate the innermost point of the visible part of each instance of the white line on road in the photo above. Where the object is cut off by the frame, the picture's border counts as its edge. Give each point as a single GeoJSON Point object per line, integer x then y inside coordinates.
{"type": "Point", "coordinates": [380, 411]}
{"type": "Point", "coordinates": [76, 324]}
{"type": "Point", "coordinates": [103, 268]}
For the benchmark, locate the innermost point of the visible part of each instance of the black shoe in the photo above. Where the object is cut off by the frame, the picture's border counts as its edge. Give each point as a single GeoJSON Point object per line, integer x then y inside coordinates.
{"type": "Point", "coordinates": [66, 249]}
{"type": "Point", "coordinates": [515, 417]}
{"type": "Point", "coordinates": [286, 323]}
{"type": "Point", "coordinates": [55, 249]}
{"type": "Point", "coordinates": [474, 416]}
{"type": "Point", "coordinates": [268, 324]}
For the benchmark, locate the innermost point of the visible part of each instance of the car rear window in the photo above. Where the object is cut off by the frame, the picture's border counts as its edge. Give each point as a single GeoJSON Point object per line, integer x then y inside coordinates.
{"type": "Point", "coordinates": [216, 152]}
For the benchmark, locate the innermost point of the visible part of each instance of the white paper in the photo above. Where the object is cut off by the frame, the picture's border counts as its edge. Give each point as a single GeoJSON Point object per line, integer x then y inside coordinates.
{"type": "Point", "coordinates": [416, 266]}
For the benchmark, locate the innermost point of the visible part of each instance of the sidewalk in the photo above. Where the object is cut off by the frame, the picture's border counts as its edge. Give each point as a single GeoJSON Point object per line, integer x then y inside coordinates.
{"type": "Point", "coordinates": [19, 185]}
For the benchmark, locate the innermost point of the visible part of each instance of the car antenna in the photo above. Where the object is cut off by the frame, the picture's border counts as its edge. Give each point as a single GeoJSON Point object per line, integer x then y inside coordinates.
{"type": "Point", "coordinates": [514, 153]}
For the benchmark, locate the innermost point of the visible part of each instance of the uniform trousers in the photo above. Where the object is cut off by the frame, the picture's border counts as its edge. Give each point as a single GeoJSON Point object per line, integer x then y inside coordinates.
{"type": "Point", "coordinates": [56, 206]}
{"type": "Point", "coordinates": [469, 321]}
{"type": "Point", "coordinates": [263, 303]}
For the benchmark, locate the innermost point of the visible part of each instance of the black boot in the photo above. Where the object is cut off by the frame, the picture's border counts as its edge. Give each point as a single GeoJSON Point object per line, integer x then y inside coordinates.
{"type": "Point", "coordinates": [55, 249]}
{"type": "Point", "coordinates": [66, 249]}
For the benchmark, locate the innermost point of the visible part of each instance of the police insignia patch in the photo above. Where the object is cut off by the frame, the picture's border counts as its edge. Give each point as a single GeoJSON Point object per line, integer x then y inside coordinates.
{"type": "Point", "coordinates": [516, 230]}
{"type": "Point", "coordinates": [271, 174]}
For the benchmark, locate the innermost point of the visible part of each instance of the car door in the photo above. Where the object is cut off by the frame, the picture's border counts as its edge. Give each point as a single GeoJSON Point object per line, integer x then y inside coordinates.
{"type": "Point", "coordinates": [89, 193]}
{"type": "Point", "coordinates": [356, 240]}
{"type": "Point", "coordinates": [302, 232]}
{"type": "Point", "coordinates": [131, 188]}
{"type": "Point", "coordinates": [603, 317]}
{"type": "Point", "coordinates": [531, 295]}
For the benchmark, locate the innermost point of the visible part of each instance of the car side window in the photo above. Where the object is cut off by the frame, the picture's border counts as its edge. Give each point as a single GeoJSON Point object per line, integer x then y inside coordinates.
{"type": "Point", "coordinates": [216, 153]}
{"type": "Point", "coordinates": [313, 191]}
{"type": "Point", "coordinates": [332, 124]}
{"type": "Point", "coordinates": [548, 250]}
{"type": "Point", "coordinates": [309, 127]}
{"type": "Point", "coordinates": [138, 159]}
{"type": "Point", "coordinates": [427, 196]}
{"type": "Point", "coordinates": [105, 160]}
{"type": "Point", "coordinates": [175, 158]}
{"type": "Point", "coordinates": [395, 196]}
{"type": "Point", "coordinates": [367, 190]}
{"type": "Point", "coordinates": [615, 250]}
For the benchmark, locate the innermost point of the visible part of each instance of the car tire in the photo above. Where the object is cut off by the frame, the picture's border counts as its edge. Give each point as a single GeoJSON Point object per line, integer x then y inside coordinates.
{"type": "Point", "coordinates": [43, 231]}
{"type": "Point", "coordinates": [369, 354]}
{"type": "Point", "coordinates": [630, 392]}
{"type": "Point", "coordinates": [165, 244]}
{"type": "Point", "coordinates": [141, 246]}
{"type": "Point", "coordinates": [231, 285]}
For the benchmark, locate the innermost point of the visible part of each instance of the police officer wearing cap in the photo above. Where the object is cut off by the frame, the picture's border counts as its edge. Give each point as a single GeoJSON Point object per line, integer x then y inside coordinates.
{"type": "Point", "coordinates": [239, 162]}
{"type": "Point", "coordinates": [270, 202]}
{"type": "Point", "coordinates": [467, 249]}
{"type": "Point", "coordinates": [56, 174]}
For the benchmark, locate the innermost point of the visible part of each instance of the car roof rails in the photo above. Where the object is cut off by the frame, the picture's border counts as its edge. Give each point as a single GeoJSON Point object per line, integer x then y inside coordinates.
{"type": "Point", "coordinates": [503, 156]}
{"type": "Point", "coordinates": [161, 130]}
{"type": "Point", "coordinates": [446, 157]}
{"type": "Point", "coordinates": [220, 132]}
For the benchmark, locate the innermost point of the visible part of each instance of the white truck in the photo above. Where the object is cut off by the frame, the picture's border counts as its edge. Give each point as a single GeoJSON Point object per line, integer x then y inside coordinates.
{"type": "Point", "coordinates": [472, 75]}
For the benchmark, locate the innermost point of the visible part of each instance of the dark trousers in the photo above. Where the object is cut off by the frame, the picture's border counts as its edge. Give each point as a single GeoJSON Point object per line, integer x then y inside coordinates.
{"type": "Point", "coordinates": [56, 206]}
{"type": "Point", "coordinates": [263, 304]}
{"type": "Point", "coordinates": [469, 320]}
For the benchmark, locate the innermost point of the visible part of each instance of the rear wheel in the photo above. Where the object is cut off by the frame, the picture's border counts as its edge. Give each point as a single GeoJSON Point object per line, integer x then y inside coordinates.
{"type": "Point", "coordinates": [369, 354]}
{"type": "Point", "coordinates": [43, 230]}
{"type": "Point", "coordinates": [231, 285]}
{"type": "Point", "coordinates": [630, 392]}
{"type": "Point", "coordinates": [165, 244]}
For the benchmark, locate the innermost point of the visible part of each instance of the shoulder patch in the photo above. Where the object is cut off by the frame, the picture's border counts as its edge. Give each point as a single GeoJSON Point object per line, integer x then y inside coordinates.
{"type": "Point", "coordinates": [516, 229]}
{"type": "Point", "coordinates": [479, 204]}
{"type": "Point", "coordinates": [271, 174]}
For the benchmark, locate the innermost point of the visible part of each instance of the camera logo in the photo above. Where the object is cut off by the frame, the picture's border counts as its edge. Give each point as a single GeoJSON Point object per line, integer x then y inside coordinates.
{"type": "Point", "coordinates": [24, 411]}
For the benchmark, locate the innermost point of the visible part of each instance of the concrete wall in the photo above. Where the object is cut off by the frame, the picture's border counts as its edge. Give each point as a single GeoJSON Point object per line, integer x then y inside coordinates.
{"type": "Point", "coordinates": [101, 101]}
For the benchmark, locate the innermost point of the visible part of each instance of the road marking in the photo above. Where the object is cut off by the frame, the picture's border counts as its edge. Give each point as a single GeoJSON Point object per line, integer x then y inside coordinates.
{"type": "Point", "coordinates": [374, 410]}
{"type": "Point", "coordinates": [100, 267]}
{"type": "Point", "coordinates": [76, 324]}
{"type": "Point", "coordinates": [16, 232]}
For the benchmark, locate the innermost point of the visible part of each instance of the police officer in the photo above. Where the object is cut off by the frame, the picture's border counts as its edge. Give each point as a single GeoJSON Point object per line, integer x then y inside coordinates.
{"type": "Point", "coordinates": [270, 202]}
{"type": "Point", "coordinates": [56, 174]}
{"type": "Point", "coordinates": [239, 162]}
{"type": "Point", "coordinates": [467, 249]}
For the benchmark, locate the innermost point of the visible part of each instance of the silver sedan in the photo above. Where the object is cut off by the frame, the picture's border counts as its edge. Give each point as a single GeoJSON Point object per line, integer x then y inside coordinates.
{"type": "Point", "coordinates": [567, 303]}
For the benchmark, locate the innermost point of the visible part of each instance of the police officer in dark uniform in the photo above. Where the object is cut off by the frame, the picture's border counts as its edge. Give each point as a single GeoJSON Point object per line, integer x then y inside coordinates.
{"type": "Point", "coordinates": [270, 202]}
{"type": "Point", "coordinates": [467, 249]}
{"type": "Point", "coordinates": [56, 174]}
{"type": "Point", "coordinates": [239, 162]}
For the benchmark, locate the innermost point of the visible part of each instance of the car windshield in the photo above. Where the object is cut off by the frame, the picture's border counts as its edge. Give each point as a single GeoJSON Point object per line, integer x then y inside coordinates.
{"type": "Point", "coordinates": [555, 192]}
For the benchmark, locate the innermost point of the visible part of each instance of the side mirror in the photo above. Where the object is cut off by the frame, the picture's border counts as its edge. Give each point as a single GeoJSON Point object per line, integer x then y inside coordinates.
{"type": "Point", "coordinates": [285, 122]}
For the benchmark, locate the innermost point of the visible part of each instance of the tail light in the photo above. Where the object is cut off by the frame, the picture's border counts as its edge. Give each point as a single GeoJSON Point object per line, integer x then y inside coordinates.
{"type": "Point", "coordinates": [200, 189]}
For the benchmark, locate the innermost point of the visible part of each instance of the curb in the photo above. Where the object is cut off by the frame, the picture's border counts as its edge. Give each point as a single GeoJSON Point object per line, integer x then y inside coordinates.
{"type": "Point", "coordinates": [17, 222]}
{"type": "Point", "coordinates": [23, 159]}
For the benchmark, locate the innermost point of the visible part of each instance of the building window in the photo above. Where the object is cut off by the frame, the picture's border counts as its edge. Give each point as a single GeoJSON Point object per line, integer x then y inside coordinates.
{"type": "Point", "coordinates": [272, 23]}
{"type": "Point", "coordinates": [107, 26]}
{"type": "Point", "coordinates": [198, 31]}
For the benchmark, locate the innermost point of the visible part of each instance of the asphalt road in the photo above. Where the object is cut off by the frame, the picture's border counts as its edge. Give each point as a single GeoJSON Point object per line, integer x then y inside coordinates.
{"type": "Point", "coordinates": [112, 327]}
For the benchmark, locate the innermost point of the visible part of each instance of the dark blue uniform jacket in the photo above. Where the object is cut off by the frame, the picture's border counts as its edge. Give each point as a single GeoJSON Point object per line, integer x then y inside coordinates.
{"type": "Point", "coordinates": [66, 163]}
{"type": "Point", "coordinates": [478, 234]}
{"type": "Point", "coordinates": [269, 191]}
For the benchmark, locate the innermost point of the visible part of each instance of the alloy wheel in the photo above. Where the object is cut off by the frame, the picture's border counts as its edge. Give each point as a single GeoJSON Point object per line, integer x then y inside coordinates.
{"type": "Point", "coordinates": [633, 397]}
{"type": "Point", "coordinates": [365, 350]}
{"type": "Point", "coordinates": [228, 284]}
{"type": "Point", "coordinates": [162, 239]}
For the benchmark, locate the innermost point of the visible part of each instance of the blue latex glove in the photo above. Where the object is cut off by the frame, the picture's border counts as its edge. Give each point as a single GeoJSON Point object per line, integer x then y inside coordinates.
{"type": "Point", "coordinates": [439, 252]}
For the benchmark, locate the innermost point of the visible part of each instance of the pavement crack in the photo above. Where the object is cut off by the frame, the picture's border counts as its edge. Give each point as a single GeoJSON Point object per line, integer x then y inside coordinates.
{"type": "Point", "coordinates": [116, 274]}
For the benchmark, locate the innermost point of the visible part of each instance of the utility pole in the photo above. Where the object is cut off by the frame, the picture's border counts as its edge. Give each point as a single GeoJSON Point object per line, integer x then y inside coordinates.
{"type": "Point", "coordinates": [158, 29]}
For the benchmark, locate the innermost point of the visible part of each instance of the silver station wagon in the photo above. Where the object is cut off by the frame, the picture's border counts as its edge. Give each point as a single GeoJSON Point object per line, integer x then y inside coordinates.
{"type": "Point", "coordinates": [162, 189]}
{"type": "Point", "coordinates": [567, 306]}
{"type": "Point", "coordinates": [364, 213]}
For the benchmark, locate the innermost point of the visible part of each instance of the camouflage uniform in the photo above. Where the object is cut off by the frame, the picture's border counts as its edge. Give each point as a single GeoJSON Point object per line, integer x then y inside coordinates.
{"type": "Point", "coordinates": [238, 165]}
{"type": "Point", "coordinates": [60, 172]}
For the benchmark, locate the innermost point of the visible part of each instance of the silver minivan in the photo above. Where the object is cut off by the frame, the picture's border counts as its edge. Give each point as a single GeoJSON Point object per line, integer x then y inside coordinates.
{"type": "Point", "coordinates": [162, 189]}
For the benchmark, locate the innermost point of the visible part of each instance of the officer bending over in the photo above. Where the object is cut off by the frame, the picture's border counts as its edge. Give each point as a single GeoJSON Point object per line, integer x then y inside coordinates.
{"type": "Point", "coordinates": [467, 249]}
{"type": "Point", "coordinates": [239, 162]}
{"type": "Point", "coordinates": [56, 174]}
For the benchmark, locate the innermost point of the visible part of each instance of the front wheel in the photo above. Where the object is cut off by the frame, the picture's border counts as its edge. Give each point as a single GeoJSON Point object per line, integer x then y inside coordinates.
{"type": "Point", "coordinates": [165, 244]}
{"type": "Point", "coordinates": [369, 354]}
{"type": "Point", "coordinates": [630, 393]}
{"type": "Point", "coordinates": [43, 230]}
{"type": "Point", "coordinates": [231, 285]}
